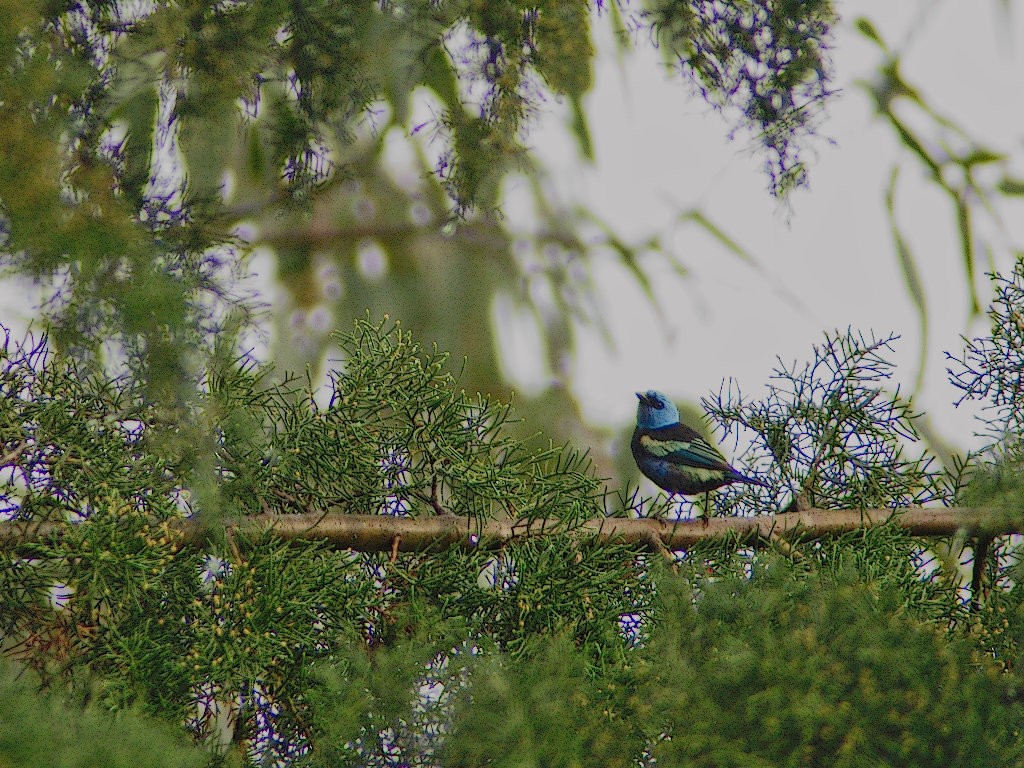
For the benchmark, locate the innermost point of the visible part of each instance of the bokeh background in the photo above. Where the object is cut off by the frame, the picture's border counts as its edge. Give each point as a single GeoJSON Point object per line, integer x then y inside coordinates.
{"type": "Point", "coordinates": [735, 281]}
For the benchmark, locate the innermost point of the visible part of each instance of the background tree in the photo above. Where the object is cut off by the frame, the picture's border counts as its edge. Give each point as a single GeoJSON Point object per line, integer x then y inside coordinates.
{"type": "Point", "coordinates": [170, 141]}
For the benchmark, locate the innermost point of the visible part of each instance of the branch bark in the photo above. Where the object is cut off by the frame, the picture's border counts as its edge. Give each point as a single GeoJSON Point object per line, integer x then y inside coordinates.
{"type": "Point", "coordinates": [383, 533]}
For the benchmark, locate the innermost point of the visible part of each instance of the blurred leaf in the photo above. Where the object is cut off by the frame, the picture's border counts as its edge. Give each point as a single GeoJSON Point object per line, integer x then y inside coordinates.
{"type": "Point", "coordinates": [136, 103]}
{"type": "Point", "coordinates": [579, 128]}
{"type": "Point", "coordinates": [701, 220]}
{"type": "Point", "coordinates": [1009, 185]}
{"type": "Point", "coordinates": [911, 276]}
{"type": "Point", "coordinates": [981, 156]}
{"type": "Point", "coordinates": [208, 133]}
{"type": "Point", "coordinates": [41, 731]}
{"type": "Point", "coordinates": [864, 25]}
{"type": "Point", "coordinates": [565, 52]}
{"type": "Point", "coordinates": [916, 146]}
{"type": "Point", "coordinates": [964, 218]}
{"type": "Point", "coordinates": [543, 710]}
{"type": "Point", "coordinates": [440, 77]}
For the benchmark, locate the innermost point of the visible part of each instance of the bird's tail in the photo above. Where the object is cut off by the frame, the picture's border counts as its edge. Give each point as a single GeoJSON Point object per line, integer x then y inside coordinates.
{"type": "Point", "coordinates": [739, 477]}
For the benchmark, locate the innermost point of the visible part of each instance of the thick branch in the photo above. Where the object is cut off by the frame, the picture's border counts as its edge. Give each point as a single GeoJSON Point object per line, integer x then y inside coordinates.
{"type": "Point", "coordinates": [328, 234]}
{"type": "Point", "coordinates": [382, 533]}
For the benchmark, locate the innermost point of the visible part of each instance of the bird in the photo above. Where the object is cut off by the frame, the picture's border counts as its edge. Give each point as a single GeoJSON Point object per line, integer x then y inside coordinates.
{"type": "Point", "coordinates": [674, 456]}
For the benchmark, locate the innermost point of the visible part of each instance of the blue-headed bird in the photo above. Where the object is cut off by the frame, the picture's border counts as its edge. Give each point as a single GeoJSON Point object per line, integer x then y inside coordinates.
{"type": "Point", "coordinates": [674, 456]}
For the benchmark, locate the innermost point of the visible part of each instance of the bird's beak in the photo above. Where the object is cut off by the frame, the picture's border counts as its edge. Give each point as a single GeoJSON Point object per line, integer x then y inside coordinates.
{"type": "Point", "coordinates": [642, 398]}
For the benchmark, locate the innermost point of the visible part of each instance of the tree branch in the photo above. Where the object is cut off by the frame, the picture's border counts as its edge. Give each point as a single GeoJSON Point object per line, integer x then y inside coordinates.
{"type": "Point", "coordinates": [9, 458]}
{"type": "Point", "coordinates": [383, 533]}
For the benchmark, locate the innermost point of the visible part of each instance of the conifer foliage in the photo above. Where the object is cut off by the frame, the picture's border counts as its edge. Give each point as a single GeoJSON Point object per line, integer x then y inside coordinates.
{"type": "Point", "coordinates": [247, 627]}
{"type": "Point", "coordinates": [553, 650]}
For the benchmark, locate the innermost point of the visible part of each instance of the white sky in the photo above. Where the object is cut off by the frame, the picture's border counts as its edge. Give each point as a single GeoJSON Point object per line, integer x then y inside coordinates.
{"type": "Point", "coordinates": [661, 150]}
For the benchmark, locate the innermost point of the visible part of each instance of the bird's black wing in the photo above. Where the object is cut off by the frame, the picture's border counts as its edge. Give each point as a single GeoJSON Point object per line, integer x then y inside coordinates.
{"type": "Point", "coordinates": [680, 444]}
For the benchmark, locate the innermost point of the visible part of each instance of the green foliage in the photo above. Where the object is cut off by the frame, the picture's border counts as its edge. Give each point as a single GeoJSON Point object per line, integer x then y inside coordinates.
{"type": "Point", "coordinates": [555, 586]}
{"type": "Point", "coordinates": [43, 731]}
{"type": "Point", "coordinates": [395, 434]}
{"type": "Point", "coordinates": [779, 670]}
{"type": "Point", "coordinates": [556, 650]}
{"type": "Point", "coordinates": [366, 707]}
{"type": "Point", "coordinates": [884, 559]}
{"type": "Point", "coordinates": [245, 628]}
{"type": "Point", "coordinates": [543, 711]}
{"type": "Point", "coordinates": [79, 437]}
{"type": "Point", "coordinates": [784, 667]}
{"type": "Point", "coordinates": [992, 478]}
{"type": "Point", "coordinates": [827, 431]}
{"type": "Point", "coordinates": [989, 370]}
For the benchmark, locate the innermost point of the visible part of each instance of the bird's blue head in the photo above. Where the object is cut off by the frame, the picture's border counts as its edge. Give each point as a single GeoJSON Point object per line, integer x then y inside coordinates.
{"type": "Point", "coordinates": [655, 410]}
